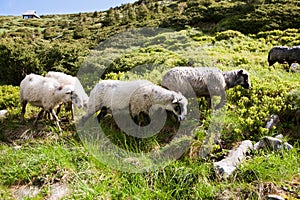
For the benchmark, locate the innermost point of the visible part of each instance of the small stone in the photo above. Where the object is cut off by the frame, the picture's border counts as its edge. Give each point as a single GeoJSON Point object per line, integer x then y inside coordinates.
{"type": "Point", "coordinates": [229, 164]}
{"type": "Point", "coordinates": [273, 121]}
{"type": "Point", "coordinates": [295, 67]}
{"type": "Point", "coordinates": [3, 113]}
{"type": "Point", "coordinates": [274, 197]}
{"type": "Point", "coordinates": [17, 147]}
{"type": "Point", "coordinates": [280, 136]}
{"type": "Point", "coordinates": [272, 143]}
{"type": "Point", "coordinates": [287, 146]}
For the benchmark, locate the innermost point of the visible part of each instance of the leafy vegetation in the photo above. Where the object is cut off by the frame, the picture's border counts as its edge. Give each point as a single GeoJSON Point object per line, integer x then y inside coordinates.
{"type": "Point", "coordinates": [223, 34]}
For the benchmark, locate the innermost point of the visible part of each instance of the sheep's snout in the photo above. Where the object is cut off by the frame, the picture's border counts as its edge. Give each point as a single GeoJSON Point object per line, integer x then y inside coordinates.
{"type": "Point", "coordinates": [76, 100]}
{"type": "Point", "coordinates": [247, 86]}
{"type": "Point", "coordinates": [181, 117]}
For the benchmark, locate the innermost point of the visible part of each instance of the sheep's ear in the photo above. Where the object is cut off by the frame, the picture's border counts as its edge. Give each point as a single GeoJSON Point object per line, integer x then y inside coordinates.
{"type": "Point", "coordinates": [175, 100]}
{"type": "Point", "coordinates": [241, 72]}
{"type": "Point", "coordinates": [69, 92]}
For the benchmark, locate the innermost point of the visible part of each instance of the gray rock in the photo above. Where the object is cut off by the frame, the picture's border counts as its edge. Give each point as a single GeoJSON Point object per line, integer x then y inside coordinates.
{"type": "Point", "coordinates": [273, 121]}
{"type": "Point", "coordinates": [280, 136]}
{"type": "Point", "coordinates": [295, 67]}
{"type": "Point", "coordinates": [3, 114]}
{"type": "Point", "coordinates": [59, 191]}
{"type": "Point", "coordinates": [26, 192]}
{"type": "Point", "coordinates": [272, 143]}
{"type": "Point", "coordinates": [274, 197]}
{"type": "Point", "coordinates": [228, 165]}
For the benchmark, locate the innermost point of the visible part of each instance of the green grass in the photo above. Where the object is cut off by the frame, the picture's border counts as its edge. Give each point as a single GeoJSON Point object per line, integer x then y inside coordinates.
{"type": "Point", "coordinates": [37, 156]}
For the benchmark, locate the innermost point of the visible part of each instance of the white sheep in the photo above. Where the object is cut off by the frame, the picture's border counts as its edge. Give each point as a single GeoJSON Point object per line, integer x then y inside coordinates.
{"type": "Point", "coordinates": [204, 82]}
{"type": "Point", "coordinates": [112, 96]}
{"type": "Point", "coordinates": [82, 98]}
{"type": "Point", "coordinates": [43, 92]}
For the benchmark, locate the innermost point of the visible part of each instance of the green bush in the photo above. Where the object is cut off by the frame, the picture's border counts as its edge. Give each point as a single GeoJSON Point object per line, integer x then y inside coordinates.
{"type": "Point", "coordinates": [225, 35]}
{"type": "Point", "coordinates": [146, 57]}
{"type": "Point", "coordinates": [10, 97]}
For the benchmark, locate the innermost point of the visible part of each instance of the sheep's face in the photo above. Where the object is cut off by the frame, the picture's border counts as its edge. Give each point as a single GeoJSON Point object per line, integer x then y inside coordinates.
{"type": "Point", "coordinates": [179, 106]}
{"type": "Point", "coordinates": [243, 79]}
{"type": "Point", "coordinates": [76, 100]}
{"type": "Point", "coordinates": [85, 104]}
{"type": "Point", "coordinates": [66, 93]}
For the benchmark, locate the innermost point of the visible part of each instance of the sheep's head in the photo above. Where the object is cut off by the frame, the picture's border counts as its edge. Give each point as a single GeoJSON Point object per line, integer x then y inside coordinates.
{"type": "Point", "coordinates": [243, 79]}
{"type": "Point", "coordinates": [76, 100]}
{"type": "Point", "coordinates": [179, 106]}
{"type": "Point", "coordinates": [85, 104]}
{"type": "Point", "coordinates": [65, 93]}
{"type": "Point", "coordinates": [79, 101]}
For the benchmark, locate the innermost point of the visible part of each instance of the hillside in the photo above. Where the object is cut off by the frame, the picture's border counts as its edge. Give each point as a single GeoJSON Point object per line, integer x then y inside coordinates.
{"type": "Point", "coordinates": [49, 44]}
{"type": "Point", "coordinates": [142, 41]}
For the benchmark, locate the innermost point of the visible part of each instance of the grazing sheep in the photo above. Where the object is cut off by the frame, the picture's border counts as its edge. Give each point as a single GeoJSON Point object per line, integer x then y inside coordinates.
{"type": "Point", "coordinates": [278, 54]}
{"type": "Point", "coordinates": [64, 79]}
{"type": "Point", "coordinates": [282, 54]}
{"type": "Point", "coordinates": [43, 92]}
{"type": "Point", "coordinates": [204, 82]}
{"type": "Point", "coordinates": [112, 96]}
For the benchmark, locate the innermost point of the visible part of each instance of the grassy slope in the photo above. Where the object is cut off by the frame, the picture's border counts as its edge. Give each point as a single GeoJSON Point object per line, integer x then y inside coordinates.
{"type": "Point", "coordinates": [44, 159]}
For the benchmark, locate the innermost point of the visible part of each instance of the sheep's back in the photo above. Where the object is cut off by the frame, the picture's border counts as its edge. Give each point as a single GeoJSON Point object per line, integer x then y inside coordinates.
{"type": "Point", "coordinates": [113, 94]}
{"type": "Point", "coordinates": [278, 53]}
{"type": "Point", "coordinates": [65, 79]}
{"type": "Point", "coordinates": [193, 82]}
{"type": "Point", "coordinates": [62, 78]}
{"type": "Point", "coordinates": [37, 89]}
{"type": "Point", "coordinates": [294, 56]}
{"type": "Point", "coordinates": [144, 97]}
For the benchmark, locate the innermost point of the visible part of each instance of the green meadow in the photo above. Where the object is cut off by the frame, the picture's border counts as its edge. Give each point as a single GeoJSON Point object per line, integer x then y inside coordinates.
{"type": "Point", "coordinates": [36, 162]}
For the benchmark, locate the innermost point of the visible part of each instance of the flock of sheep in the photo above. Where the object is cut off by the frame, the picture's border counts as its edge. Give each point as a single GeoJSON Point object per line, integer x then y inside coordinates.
{"type": "Point", "coordinates": [135, 97]}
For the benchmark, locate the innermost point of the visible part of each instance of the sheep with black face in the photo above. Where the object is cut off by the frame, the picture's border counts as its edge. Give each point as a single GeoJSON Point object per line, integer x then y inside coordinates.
{"type": "Point", "coordinates": [139, 96]}
{"type": "Point", "coordinates": [204, 82]}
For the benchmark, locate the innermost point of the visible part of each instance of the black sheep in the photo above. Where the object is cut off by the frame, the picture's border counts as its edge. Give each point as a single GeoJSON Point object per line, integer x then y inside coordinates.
{"type": "Point", "coordinates": [283, 54]}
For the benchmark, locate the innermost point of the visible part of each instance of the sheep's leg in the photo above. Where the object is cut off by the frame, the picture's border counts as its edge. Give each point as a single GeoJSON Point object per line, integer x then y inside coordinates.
{"type": "Point", "coordinates": [58, 109]}
{"type": "Point", "coordinates": [102, 114]}
{"type": "Point", "coordinates": [48, 115]}
{"type": "Point", "coordinates": [208, 99]}
{"type": "Point", "coordinates": [70, 107]}
{"type": "Point", "coordinates": [222, 101]}
{"type": "Point", "coordinates": [146, 118]}
{"type": "Point", "coordinates": [142, 119]}
{"type": "Point", "coordinates": [38, 117]}
{"type": "Point", "coordinates": [24, 103]}
{"type": "Point", "coordinates": [72, 110]}
{"type": "Point", "coordinates": [56, 120]}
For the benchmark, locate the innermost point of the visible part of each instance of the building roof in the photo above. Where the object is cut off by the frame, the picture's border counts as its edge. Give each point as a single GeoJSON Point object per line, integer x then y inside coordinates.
{"type": "Point", "coordinates": [31, 12]}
